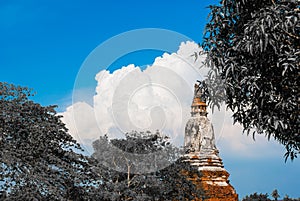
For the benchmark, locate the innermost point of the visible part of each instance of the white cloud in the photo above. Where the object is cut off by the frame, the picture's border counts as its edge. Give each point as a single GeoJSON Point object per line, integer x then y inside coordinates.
{"type": "Point", "coordinates": [157, 98]}
{"type": "Point", "coordinates": [79, 119]}
{"type": "Point", "coordinates": [232, 141]}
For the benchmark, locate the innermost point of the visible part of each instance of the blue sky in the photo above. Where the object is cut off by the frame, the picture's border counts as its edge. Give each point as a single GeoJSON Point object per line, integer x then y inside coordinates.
{"type": "Point", "coordinates": [44, 43]}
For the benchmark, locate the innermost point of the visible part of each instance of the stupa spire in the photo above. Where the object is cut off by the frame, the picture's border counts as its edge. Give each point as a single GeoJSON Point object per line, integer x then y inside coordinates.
{"type": "Point", "coordinates": [199, 105]}
{"type": "Point", "coordinates": [201, 152]}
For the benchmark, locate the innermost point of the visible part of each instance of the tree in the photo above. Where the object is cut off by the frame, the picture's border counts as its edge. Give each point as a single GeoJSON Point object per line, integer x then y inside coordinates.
{"type": "Point", "coordinates": [275, 194]}
{"type": "Point", "coordinates": [257, 197]}
{"type": "Point", "coordinates": [37, 156]}
{"type": "Point", "coordinates": [287, 198]}
{"type": "Point", "coordinates": [254, 47]}
{"type": "Point", "coordinates": [131, 180]}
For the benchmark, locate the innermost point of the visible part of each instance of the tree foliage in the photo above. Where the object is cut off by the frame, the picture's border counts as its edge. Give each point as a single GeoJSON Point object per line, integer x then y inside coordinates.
{"type": "Point", "coordinates": [265, 197]}
{"type": "Point", "coordinates": [253, 46]}
{"type": "Point", "coordinates": [129, 180]}
{"type": "Point", "coordinates": [138, 153]}
{"type": "Point", "coordinates": [275, 194]}
{"type": "Point", "coordinates": [257, 197]}
{"type": "Point", "coordinates": [287, 198]}
{"type": "Point", "coordinates": [37, 158]}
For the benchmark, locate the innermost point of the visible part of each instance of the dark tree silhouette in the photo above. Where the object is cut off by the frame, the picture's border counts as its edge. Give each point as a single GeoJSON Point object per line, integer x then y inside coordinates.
{"type": "Point", "coordinates": [287, 198]}
{"type": "Point", "coordinates": [37, 158]}
{"type": "Point", "coordinates": [253, 47]}
{"type": "Point", "coordinates": [257, 197]}
{"type": "Point", "coordinates": [275, 194]}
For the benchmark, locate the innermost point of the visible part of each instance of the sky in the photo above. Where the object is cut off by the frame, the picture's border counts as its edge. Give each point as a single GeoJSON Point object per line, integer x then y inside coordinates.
{"type": "Point", "coordinates": [112, 66]}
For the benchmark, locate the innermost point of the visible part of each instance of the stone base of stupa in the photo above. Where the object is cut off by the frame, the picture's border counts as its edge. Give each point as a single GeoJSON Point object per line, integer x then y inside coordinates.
{"type": "Point", "coordinates": [205, 158]}
{"type": "Point", "coordinates": [213, 178]}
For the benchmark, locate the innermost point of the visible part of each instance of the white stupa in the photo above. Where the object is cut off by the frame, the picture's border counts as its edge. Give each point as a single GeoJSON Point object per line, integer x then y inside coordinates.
{"type": "Point", "coordinates": [202, 153]}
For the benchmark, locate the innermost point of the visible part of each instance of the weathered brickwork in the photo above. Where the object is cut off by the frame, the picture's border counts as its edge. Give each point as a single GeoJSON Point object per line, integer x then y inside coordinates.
{"type": "Point", "coordinates": [202, 153]}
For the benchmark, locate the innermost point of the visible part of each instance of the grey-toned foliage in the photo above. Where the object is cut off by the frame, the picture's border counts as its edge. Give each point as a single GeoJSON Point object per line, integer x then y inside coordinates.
{"type": "Point", "coordinates": [139, 152]}
{"type": "Point", "coordinates": [265, 197]}
{"type": "Point", "coordinates": [257, 197]}
{"type": "Point", "coordinates": [275, 194]}
{"type": "Point", "coordinates": [253, 47]}
{"type": "Point", "coordinates": [128, 181]}
{"type": "Point", "coordinates": [37, 158]}
{"type": "Point", "coordinates": [287, 198]}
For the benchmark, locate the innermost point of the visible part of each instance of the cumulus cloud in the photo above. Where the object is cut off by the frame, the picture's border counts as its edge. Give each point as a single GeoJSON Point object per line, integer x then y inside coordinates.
{"type": "Point", "coordinates": [158, 97]}
{"type": "Point", "coordinates": [234, 142]}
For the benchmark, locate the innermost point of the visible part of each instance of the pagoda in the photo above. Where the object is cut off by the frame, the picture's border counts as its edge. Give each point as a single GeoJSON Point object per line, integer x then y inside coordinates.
{"type": "Point", "coordinates": [202, 153]}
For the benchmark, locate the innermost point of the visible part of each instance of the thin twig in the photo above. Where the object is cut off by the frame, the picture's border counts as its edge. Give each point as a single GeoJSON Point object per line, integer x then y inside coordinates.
{"type": "Point", "coordinates": [291, 35]}
{"type": "Point", "coordinates": [273, 2]}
